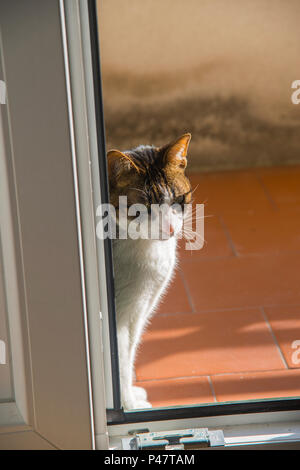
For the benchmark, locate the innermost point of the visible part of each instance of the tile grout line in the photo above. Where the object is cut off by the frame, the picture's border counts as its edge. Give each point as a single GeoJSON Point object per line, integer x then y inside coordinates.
{"type": "Point", "coordinates": [187, 291]}
{"type": "Point", "coordinates": [206, 258]}
{"type": "Point", "coordinates": [212, 388]}
{"type": "Point", "coordinates": [256, 371]}
{"type": "Point", "coordinates": [227, 234]}
{"type": "Point", "coordinates": [265, 190]}
{"type": "Point", "coordinates": [224, 309]}
{"type": "Point", "coordinates": [211, 259]}
{"type": "Point", "coordinates": [218, 374]}
{"type": "Point", "coordinates": [274, 337]}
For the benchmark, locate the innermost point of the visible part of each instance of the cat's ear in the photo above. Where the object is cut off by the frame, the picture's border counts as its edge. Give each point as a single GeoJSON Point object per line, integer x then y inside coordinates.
{"type": "Point", "coordinates": [119, 163]}
{"type": "Point", "coordinates": [175, 153]}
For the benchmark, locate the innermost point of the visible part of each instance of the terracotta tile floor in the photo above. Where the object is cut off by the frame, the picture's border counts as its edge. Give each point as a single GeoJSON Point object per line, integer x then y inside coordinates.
{"type": "Point", "coordinates": [229, 326]}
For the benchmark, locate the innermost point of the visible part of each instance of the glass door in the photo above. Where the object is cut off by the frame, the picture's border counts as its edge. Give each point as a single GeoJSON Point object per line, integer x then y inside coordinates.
{"type": "Point", "coordinates": [226, 333]}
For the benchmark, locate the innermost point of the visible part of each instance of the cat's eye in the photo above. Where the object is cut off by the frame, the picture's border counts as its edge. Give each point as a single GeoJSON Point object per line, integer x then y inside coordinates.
{"type": "Point", "coordinates": [179, 200]}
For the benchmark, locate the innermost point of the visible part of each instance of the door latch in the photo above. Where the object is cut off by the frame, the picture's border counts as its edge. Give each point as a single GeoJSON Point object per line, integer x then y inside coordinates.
{"type": "Point", "coordinates": [175, 440]}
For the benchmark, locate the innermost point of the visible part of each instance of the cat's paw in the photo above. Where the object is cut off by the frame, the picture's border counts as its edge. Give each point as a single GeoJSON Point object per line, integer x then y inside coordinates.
{"type": "Point", "coordinates": [136, 404]}
{"type": "Point", "coordinates": [133, 403]}
{"type": "Point", "coordinates": [141, 404]}
{"type": "Point", "coordinates": [139, 393]}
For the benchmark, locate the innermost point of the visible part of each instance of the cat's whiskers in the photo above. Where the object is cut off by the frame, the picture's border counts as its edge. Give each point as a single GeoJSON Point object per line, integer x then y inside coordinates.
{"type": "Point", "coordinates": [193, 190]}
{"type": "Point", "coordinates": [141, 190]}
{"type": "Point", "coordinates": [192, 217]}
{"type": "Point", "coordinates": [197, 244]}
{"type": "Point", "coordinates": [191, 235]}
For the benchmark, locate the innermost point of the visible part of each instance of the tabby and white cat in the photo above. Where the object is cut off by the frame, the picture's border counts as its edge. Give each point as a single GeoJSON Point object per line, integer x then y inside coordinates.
{"type": "Point", "coordinates": [144, 267]}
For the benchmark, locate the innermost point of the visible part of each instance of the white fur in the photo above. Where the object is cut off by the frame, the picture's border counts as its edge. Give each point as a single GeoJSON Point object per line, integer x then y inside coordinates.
{"type": "Point", "coordinates": [143, 270]}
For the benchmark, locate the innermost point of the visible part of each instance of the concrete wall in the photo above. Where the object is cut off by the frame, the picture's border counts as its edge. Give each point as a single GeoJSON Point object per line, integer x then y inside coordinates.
{"type": "Point", "coordinates": [221, 69]}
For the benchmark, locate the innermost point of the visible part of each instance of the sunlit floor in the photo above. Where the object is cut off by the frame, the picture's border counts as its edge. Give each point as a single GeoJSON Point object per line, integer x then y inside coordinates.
{"type": "Point", "coordinates": [229, 326]}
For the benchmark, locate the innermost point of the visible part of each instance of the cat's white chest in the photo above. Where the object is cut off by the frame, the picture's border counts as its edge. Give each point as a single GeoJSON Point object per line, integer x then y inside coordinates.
{"type": "Point", "coordinates": [155, 260]}
{"type": "Point", "coordinates": [143, 269]}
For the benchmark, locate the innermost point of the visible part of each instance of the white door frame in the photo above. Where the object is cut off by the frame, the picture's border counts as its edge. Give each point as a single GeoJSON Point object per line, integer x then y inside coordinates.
{"type": "Point", "coordinates": [50, 260]}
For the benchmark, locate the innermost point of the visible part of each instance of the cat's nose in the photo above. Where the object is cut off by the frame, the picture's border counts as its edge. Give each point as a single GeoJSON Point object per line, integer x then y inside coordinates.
{"type": "Point", "coordinates": [171, 229]}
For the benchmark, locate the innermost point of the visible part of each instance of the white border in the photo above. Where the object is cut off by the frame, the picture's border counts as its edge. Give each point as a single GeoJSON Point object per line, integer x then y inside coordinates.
{"type": "Point", "coordinates": [77, 200]}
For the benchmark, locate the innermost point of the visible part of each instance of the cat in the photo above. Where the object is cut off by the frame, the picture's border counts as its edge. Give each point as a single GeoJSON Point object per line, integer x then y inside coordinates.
{"type": "Point", "coordinates": [143, 268]}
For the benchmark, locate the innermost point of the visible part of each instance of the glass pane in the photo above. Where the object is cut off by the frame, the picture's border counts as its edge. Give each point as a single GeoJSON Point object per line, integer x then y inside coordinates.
{"type": "Point", "coordinates": [6, 392]}
{"type": "Point", "coordinates": [6, 388]}
{"type": "Point", "coordinates": [228, 325]}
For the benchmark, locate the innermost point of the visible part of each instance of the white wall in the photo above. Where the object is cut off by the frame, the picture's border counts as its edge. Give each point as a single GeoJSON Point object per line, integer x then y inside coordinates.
{"type": "Point", "coordinates": [220, 68]}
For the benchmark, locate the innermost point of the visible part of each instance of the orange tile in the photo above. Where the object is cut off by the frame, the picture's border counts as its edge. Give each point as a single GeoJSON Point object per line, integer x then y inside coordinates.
{"type": "Point", "coordinates": [282, 183]}
{"type": "Point", "coordinates": [259, 385]}
{"type": "Point", "coordinates": [247, 281]}
{"type": "Point", "coordinates": [264, 231]}
{"type": "Point", "coordinates": [216, 242]}
{"type": "Point", "coordinates": [259, 222]}
{"type": "Point", "coordinates": [285, 323]}
{"type": "Point", "coordinates": [229, 191]}
{"type": "Point", "coordinates": [178, 392]}
{"type": "Point", "coordinates": [176, 299]}
{"type": "Point", "coordinates": [203, 344]}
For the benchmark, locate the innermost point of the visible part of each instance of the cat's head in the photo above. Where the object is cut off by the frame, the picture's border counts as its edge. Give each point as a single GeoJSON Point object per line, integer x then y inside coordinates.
{"type": "Point", "coordinates": [149, 176]}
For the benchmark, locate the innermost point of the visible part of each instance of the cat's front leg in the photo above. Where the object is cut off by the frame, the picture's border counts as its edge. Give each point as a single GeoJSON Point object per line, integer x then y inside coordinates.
{"type": "Point", "coordinates": [141, 400]}
{"type": "Point", "coordinates": [127, 395]}
{"type": "Point", "coordinates": [139, 393]}
{"type": "Point", "coordinates": [132, 397]}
